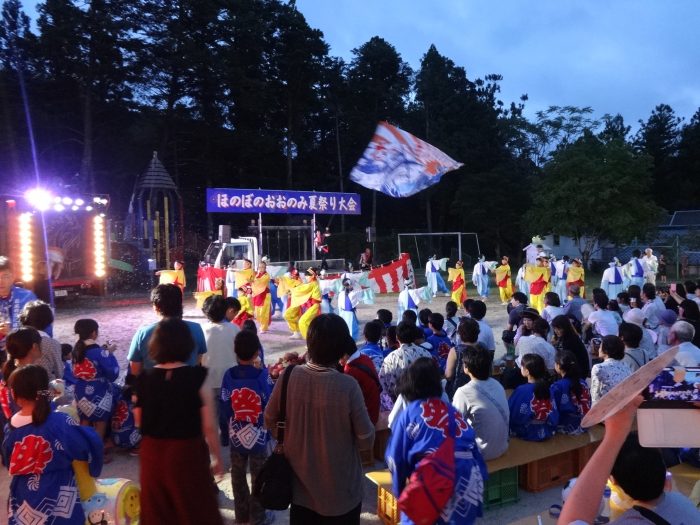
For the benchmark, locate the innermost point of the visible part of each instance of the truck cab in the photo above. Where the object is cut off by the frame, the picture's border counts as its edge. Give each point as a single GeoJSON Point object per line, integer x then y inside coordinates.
{"type": "Point", "coordinates": [221, 253]}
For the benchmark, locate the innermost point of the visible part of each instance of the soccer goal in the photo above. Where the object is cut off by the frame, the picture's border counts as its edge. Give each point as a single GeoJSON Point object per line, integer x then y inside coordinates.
{"type": "Point", "coordinates": [453, 245]}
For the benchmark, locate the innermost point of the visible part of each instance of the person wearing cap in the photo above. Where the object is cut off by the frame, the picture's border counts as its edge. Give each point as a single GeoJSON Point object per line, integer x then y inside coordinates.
{"type": "Point", "coordinates": [348, 299]}
{"type": "Point", "coordinates": [480, 278]}
{"type": "Point", "coordinates": [636, 316]}
{"type": "Point", "coordinates": [527, 319]}
{"type": "Point", "coordinates": [459, 285]}
{"type": "Point", "coordinates": [681, 334]}
{"type": "Point", "coordinates": [666, 320]}
{"type": "Point", "coordinates": [611, 281]}
{"type": "Point", "coordinates": [503, 280]}
{"type": "Point", "coordinates": [308, 297]}
{"type": "Point", "coordinates": [561, 268]}
{"type": "Point", "coordinates": [538, 277]}
{"type": "Point", "coordinates": [576, 276]}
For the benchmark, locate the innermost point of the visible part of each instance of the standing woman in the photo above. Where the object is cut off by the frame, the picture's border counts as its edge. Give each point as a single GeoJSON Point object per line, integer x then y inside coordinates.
{"type": "Point", "coordinates": [421, 428]}
{"type": "Point", "coordinates": [327, 425]}
{"type": "Point", "coordinates": [175, 411]}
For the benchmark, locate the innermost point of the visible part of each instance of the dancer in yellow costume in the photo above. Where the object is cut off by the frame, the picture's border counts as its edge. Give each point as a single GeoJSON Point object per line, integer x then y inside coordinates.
{"type": "Point", "coordinates": [308, 297]}
{"type": "Point", "coordinates": [261, 297]}
{"type": "Point", "coordinates": [503, 280]}
{"type": "Point", "coordinates": [576, 275]}
{"type": "Point", "coordinates": [538, 277]}
{"type": "Point", "coordinates": [459, 285]}
{"type": "Point", "coordinates": [175, 276]}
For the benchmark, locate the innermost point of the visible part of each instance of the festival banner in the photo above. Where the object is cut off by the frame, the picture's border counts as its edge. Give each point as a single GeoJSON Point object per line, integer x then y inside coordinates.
{"type": "Point", "coordinates": [399, 164]}
{"type": "Point", "coordinates": [234, 200]}
{"type": "Point", "coordinates": [389, 278]}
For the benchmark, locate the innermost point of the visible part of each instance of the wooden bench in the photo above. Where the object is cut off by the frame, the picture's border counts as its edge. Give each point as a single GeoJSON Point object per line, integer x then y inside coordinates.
{"type": "Point", "coordinates": [541, 465]}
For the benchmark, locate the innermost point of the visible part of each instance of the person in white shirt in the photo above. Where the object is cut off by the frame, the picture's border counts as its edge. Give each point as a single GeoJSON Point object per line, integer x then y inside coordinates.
{"type": "Point", "coordinates": [682, 334]}
{"type": "Point", "coordinates": [651, 266]}
{"type": "Point", "coordinates": [219, 334]}
{"type": "Point", "coordinates": [649, 337]}
{"type": "Point", "coordinates": [536, 344]}
{"type": "Point", "coordinates": [552, 307]}
{"type": "Point", "coordinates": [561, 267]}
{"type": "Point", "coordinates": [652, 305]}
{"type": "Point", "coordinates": [482, 402]}
{"type": "Point", "coordinates": [602, 319]}
{"type": "Point", "coordinates": [477, 311]}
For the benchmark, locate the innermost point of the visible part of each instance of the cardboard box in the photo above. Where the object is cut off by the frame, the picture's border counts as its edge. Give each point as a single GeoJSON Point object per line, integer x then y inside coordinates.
{"type": "Point", "coordinates": [552, 471]}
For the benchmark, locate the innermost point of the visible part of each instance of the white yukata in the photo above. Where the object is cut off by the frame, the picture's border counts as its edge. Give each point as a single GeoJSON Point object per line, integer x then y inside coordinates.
{"type": "Point", "coordinates": [651, 266]}
{"type": "Point", "coordinates": [347, 303]}
{"type": "Point", "coordinates": [411, 299]}
{"type": "Point", "coordinates": [480, 278]}
{"type": "Point", "coordinates": [560, 271]}
{"type": "Point", "coordinates": [636, 271]}
{"type": "Point", "coordinates": [520, 282]}
{"type": "Point", "coordinates": [431, 270]}
{"type": "Point", "coordinates": [612, 281]}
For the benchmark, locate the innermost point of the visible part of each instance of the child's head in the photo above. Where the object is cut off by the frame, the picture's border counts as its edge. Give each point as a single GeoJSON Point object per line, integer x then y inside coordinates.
{"type": "Point", "coordinates": [406, 332]}
{"type": "Point", "coordinates": [22, 345]}
{"type": "Point", "coordinates": [450, 309]}
{"type": "Point", "coordinates": [477, 310]}
{"type": "Point", "coordinates": [424, 316]}
{"type": "Point", "coordinates": [373, 331]}
{"type": "Point", "coordinates": [436, 321]}
{"type": "Point", "coordinates": [66, 351]}
{"type": "Point", "coordinates": [214, 308]}
{"type": "Point", "coordinates": [466, 304]}
{"type": "Point", "coordinates": [409, 316]}
{"type": "Point", "coordinates": [30, 385]}
{"type": "Point", "coordinates": [631, 335]}
{"type": "Point", "coordinates": [85, 329]}
{"type": "Point", "coordinates": [249, 325]}
{"type": "Point", "coordinates": [384, 316]}
{"type": "Point", "coordinates": [468, 330]}
{"type": "Point", "coordinates": [532, 367]}
{"type": "Point", "coordinates": [391, 339]}
{"type": "Point", "coordinates": [566, 365]}
{"type": "Point", "coordinates": [233, 306]}
{"type": "Point", "coordinates": [623, 298]}
{"type": "Point", "coordinates": [421, 380]}
{"type": "Point", "coordinates": [246, 345]}
{"type": "Point", "coordinates": [477, 362]}
{"type": "Point", "coordinates": [171, 342]}
{"type": "Point", "coordinates": [552, 299]}
{"type": "Point", "coordinates": [36, 314]}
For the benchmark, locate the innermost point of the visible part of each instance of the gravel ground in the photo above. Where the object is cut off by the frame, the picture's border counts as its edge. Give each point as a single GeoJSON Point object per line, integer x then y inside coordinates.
{"type": "Point", "coordinates": [120, 317]}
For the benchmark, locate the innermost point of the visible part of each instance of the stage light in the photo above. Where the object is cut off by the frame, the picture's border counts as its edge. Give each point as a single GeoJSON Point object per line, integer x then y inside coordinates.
{"type": "Point", "coordinates": [99, 251]}
{"type": "Point", "coordinates": [39, 198]}
{"type": "Point", "coordinates": [88, 208]}
{"type": "Point", "coordinates": [75, 208]}
{"type": "Point", "coordinates": [25, 247]}
{"type": "Point", "coordinates": [79, 202]}
{"type": "Point", "coordinates": [67, 201]}
{"type": "Point", "coordinates": [59, 207]}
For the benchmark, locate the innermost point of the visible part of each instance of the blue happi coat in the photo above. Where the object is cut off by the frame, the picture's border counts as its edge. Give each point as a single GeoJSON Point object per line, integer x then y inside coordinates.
{"type": "Point", "coordinates": [95, 392]}
{"type": "Point", "coordinates": [530, 418]}
{"type": "Point", "coordinates": [43, 488]}
{"type": "Point", "coordinates": [570, 407]}
{"type": "Point", "coordinates": [421, 428]}
{"type": "Point", "coordinates": [245, 391]}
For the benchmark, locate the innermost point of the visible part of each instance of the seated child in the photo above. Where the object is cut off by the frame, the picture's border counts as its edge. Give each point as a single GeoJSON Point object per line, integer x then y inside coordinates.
{"type": "Point", "coordinates": [372, 333]}
{"type": "Point", "coordinates": [533, 412]}
{"type": "Point", "coordinates": [423, 322]}
{"type": "Point", "coordinates": [439, 342]}
{"type": "Point", "coordinates": [451, 320]}
{"type": "Point", "coordinates": [570, 393]}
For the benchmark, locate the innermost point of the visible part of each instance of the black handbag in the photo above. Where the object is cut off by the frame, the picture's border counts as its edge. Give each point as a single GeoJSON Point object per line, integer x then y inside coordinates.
{"type": "Point", "coordinates": [273, 484]}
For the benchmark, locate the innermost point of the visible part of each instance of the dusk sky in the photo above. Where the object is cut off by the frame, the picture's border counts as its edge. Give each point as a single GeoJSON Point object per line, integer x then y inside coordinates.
{"type": "Point", "coordinates": [624, 56]}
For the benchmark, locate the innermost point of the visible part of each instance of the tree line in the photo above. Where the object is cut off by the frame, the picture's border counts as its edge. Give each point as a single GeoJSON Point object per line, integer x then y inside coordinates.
{"type": "Point", "coordinates": [245, 93]}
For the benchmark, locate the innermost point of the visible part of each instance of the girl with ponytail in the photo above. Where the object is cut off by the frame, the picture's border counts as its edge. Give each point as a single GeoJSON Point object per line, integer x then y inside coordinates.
{"type": "Point", "coordinates": [533, 411]}
{"type": "Point", "coordinates": [570, 394]}
{"type": "Point", "coordinates": [39, 450]}
{"type": "Point", "coordinates": [95, 368]}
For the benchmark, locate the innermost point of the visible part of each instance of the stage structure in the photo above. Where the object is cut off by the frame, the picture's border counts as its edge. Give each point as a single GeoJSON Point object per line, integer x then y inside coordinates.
{"type": "Point", "coordinates": [156, 217]}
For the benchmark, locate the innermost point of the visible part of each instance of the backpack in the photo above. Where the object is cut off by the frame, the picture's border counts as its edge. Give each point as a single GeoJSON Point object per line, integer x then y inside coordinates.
{"type": "Point", "coordinates": [432, 483]}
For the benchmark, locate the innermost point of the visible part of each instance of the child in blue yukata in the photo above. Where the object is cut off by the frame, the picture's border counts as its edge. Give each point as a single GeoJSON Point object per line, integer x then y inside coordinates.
{"type": "Point", "coordinates": [245, 392]}
{"type": "Point", "coordinates": [371, 348]}
{"type": "Point", "coordinates": [570, 393]}
{"type": "Point", "coordinates": [250, 325]}
{"type": "Point", "coordinates": [38, 452]}
{"type": "Point", "coordinates": [385, 317]}
{"type": "Point", "coordinates": [438, 339]}
{"type": "Point", "coordinates": [424, 321]}
{"type": "Point", "coordinates": [451, 320]}
{"type": "Point", "coordinates": [533, 412]}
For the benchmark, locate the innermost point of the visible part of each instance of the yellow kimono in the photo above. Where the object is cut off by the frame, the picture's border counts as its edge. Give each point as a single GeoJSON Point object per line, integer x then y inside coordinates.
{"type": "Point", "coordinates": [459, 285]}
{"type": "Point", "coordinates": [503, 280]}
{"type": "Point", "coordinates": [176, 277]}
{"type": "Point", "coordinates": [538, 277]}
{"type": "Point", "coordinates": [262, 300]}
{"type": "Point", "coordinates": [306, 296]}
{"type": "Point", "coordinates": [576, 275]}
{"type": "Point", "coordinates": [244, 277]}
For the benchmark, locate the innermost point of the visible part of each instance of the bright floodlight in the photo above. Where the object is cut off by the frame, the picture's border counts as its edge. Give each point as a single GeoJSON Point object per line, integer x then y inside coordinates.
{"type": "Point", "coordinates": [67, 201]}
{"type": "Point", "coordinates": [39, 198]}
{"type": "Point", "coordinates": [79, 202]}
{"type": "Point", "coordinates": [59, 207]}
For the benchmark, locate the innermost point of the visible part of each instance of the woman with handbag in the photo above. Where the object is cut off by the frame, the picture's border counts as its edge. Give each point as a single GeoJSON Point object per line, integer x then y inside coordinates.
{"type": "Point", "coordinates": [435, 449]}
{"type": "Point", "coordinates": [325, 426]}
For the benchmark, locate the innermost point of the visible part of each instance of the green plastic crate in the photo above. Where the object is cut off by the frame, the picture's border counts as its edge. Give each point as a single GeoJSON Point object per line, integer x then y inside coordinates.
{"type": "Point", "coordinates": [501, 488]}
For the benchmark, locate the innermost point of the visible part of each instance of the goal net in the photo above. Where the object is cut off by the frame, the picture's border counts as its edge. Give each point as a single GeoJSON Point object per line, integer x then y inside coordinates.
{"type": "Point", "coordinates": [451, 245]}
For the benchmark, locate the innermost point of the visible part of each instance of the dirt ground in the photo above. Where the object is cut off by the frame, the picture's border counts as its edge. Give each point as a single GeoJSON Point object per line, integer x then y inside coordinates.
{"type": "Point", "coordinates": [120, 317]}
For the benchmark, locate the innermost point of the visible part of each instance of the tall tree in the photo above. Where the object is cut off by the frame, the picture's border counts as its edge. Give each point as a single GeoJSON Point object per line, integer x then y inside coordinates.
{"type": "Point", "coordinates": [686, 194]}
{"type": "Point", "coordinates": [658, 137]}
{"type": "Point", "coordinates": [593, 191]}
{"type": "Point", "coordinates": [614, 128]}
